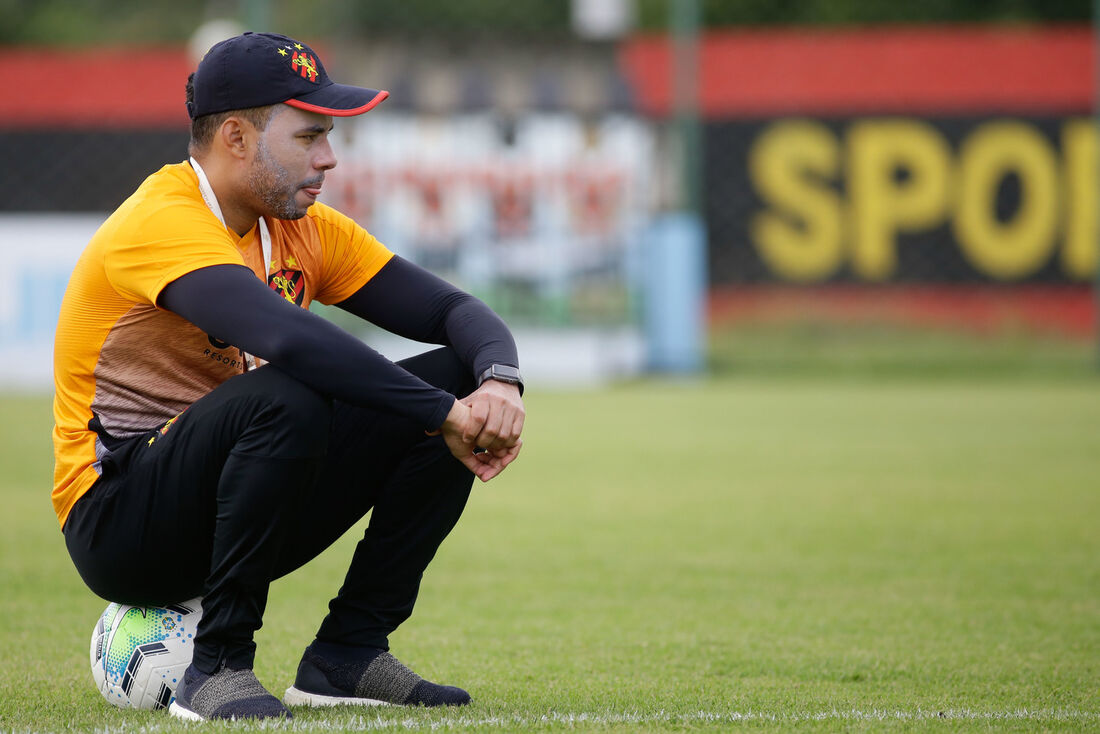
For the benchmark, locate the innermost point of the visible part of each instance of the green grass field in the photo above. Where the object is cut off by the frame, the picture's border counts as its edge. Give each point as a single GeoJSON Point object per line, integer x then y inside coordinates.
{"type": "Point", "coordinates": [799, 552]}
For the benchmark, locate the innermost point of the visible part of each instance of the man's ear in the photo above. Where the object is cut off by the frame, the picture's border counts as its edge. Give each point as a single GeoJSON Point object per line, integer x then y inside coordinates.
{"type": "Point", "coordinates": [234, 136]}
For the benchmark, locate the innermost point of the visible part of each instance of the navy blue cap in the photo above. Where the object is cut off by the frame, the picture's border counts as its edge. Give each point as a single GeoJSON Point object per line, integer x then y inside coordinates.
{"type": "Point", "coordinates": [260, 69]}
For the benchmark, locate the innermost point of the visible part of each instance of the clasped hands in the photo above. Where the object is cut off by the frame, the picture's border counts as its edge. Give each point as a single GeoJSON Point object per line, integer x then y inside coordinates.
{"type": "Point", "coordinates": [483, 429]}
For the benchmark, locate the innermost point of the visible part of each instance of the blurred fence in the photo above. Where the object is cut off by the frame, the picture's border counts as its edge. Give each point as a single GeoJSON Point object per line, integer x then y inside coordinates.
{"type": "Point", "coordinates": [539, 215]}
{"type": "Point", "coordinates": [912, 173]}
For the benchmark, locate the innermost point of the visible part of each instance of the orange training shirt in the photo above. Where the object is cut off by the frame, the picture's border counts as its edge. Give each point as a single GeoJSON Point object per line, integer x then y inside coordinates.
{"type": "Point", "coordinates": [122, 362]}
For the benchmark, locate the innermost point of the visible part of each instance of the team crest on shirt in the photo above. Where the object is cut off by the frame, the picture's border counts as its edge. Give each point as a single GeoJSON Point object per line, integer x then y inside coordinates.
{"type": "Point", "coordinates": [289, 284]}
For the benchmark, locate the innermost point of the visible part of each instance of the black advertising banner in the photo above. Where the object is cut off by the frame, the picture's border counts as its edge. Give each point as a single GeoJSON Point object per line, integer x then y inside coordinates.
{"type": "Point", "coordinates": [893, 154]}
{"type": "Point", "coordinates": [902, 199]}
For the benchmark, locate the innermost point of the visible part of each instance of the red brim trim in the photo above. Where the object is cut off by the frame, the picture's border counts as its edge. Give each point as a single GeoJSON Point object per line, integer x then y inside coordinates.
{"type": "Point", "coordinates": [337, 112]}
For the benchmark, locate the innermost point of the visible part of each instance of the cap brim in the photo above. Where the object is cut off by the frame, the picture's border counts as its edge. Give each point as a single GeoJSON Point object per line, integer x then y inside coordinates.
{"type": "Point", "coordinates": [339, 100]}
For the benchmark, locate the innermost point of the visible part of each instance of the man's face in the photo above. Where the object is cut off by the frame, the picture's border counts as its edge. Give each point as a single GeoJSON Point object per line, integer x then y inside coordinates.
{"type": "Point", "coordinates": [291, 158]}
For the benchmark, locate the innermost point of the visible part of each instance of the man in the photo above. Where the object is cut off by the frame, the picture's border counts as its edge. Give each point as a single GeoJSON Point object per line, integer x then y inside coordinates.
{"type": "Point", "coordinates": [212, 434]}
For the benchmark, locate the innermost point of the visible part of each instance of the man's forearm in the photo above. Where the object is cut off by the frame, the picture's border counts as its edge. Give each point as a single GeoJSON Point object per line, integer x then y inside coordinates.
{"type": "Point", "coordinates": [230, 303]}
{"type": "Point", "coordinates": [407, 300]}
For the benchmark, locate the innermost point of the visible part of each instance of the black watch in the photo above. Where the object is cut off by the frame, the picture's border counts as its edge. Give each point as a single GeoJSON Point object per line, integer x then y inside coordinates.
{"type": "Point", "coordinates": [502, 373]}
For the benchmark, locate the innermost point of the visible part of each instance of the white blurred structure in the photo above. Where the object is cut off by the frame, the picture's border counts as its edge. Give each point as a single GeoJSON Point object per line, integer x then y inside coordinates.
{"type": "Point", "coordinates": [31, 287]}
{"type": "Point", "coordinates": [549, 201]}
{"type": "Point", "coordinates": [209, 33]}
{"type": "Point", "coordinates": [602, 19]}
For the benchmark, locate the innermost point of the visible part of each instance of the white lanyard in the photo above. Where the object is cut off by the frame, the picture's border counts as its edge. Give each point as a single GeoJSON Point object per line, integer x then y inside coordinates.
{"type": "Point", "coordinates": [211, 201]}
{"type": "Point", "coordinates": [207, 192]}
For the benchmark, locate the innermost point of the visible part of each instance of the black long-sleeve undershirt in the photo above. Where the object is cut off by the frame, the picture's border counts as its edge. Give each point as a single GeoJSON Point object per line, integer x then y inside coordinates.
{"type": "Point", "coordinates": [230, 303]}
{"type": "Point", "coordinates": [409, 301]}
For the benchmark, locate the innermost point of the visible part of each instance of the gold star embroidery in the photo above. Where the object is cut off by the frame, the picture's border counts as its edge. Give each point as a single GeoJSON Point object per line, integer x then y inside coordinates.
{"type": "Point", "coordinates": [282, 52]}
{"type": "Point", "coordinates": [291, 263]}
{"type": "Point", "coordinates": [274, 264]}
{"type": "Point", "coordinates": [298, 46]}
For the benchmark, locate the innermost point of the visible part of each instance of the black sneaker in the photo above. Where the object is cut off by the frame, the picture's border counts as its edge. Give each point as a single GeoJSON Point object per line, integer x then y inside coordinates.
{"type": "Point", "coordinates": [364, 677]}
{"type": "Point", "coordinates": [227, 694]}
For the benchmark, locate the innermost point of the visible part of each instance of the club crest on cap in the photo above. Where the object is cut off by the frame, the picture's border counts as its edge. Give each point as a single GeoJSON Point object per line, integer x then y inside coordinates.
{"type": "Point", "coordinates": [304, 65]}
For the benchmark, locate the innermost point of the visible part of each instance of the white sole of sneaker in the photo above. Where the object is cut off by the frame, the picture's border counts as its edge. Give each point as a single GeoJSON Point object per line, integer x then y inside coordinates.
{"type": "Point", "coordinates": [181, 713]}
{"type": "Point", "coordinates": [296, 697]}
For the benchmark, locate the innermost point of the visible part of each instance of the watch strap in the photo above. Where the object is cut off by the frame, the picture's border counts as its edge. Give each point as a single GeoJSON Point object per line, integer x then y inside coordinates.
{"type": "Point", "coordinates": [503, 373]}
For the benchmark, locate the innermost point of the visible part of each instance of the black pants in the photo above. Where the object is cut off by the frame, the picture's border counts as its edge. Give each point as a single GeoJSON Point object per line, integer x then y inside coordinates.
{"type": "Point", "coordinates": [254, 480]}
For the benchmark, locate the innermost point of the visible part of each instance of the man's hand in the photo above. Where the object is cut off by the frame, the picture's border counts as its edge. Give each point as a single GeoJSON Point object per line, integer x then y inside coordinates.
{"type": "Point", "coordinates": [460, 432]}
{"type": "Point", "coordinates": [498, 408]}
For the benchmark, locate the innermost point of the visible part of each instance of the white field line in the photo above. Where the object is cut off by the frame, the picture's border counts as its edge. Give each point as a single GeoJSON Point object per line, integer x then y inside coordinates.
{"type": "Point", "coordinates": [569, 720]}
{"type": "Point", "coordinates": [563, 720]}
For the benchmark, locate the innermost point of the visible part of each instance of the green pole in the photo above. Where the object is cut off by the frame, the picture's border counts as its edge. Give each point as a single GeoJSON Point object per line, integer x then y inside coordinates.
{"type": "Point", "coordinates": [684, 22]}
{"type": "Point", "coordinates": [676, 250]}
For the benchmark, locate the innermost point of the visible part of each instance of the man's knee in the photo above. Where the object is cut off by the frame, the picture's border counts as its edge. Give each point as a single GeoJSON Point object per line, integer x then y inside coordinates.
{"type": "Point", "coordinates": [442, 368]}
{"type": "Point", "coordinates": [294, 419]}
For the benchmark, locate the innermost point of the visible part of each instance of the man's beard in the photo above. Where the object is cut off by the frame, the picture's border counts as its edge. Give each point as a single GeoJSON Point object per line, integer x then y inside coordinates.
{"type": "Point", "coordinates": [272, 184]}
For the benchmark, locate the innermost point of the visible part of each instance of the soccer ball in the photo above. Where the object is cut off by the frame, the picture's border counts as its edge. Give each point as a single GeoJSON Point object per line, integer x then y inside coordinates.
{"type": "Point", "coordinates": [138, 654]}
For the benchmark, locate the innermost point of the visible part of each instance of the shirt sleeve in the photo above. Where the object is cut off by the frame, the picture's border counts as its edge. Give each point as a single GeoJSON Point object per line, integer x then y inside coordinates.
{"type": "Point", "coordinates": [150, 253]}
{"type": "Point", "coordinates": [351, 255]}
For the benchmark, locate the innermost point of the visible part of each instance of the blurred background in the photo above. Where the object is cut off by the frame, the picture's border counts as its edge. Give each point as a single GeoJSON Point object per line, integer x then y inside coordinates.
{"type": "Point", "coordinates": [637, 186]}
